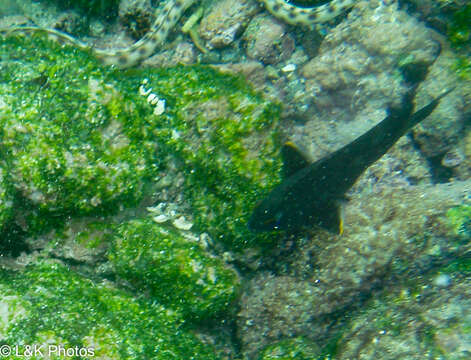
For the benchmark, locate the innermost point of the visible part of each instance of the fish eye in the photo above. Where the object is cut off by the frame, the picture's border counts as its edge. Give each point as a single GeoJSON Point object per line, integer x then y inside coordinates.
{"type": "Point", "coordinates": [278, 216]}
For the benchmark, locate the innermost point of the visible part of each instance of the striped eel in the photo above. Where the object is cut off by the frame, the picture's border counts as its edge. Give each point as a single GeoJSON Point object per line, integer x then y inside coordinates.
{"type": "Point", "coordinates": [171, 13]}
{"type": "Point", "coordinates": [307, 16]}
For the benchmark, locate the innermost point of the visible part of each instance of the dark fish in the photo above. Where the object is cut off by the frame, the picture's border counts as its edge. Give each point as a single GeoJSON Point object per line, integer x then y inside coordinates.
{"type": "Point", "coordinates": [312, 193]}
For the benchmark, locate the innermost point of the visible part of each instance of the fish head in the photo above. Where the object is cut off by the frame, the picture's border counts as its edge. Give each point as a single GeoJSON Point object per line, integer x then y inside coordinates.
{"type": "Point", "coordinates": [268, 215]}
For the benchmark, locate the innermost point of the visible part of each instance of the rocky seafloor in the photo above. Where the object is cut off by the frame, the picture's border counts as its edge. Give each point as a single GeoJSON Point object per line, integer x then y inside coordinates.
{"type": "Point", "coordinates": [124, 194]}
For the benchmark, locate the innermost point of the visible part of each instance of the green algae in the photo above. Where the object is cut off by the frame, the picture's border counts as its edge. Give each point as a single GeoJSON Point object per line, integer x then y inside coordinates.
{"type": "Point", "coordinates": [459, 30]}
{"type": "Point", "coordinates": [224, 136]}
{"type": "Point", "coordinates": [459, 34]}
{"type": "Point", "coordinates": [104, 8]}
{"type": "Point", "coordinates": [68, 151]}
{"type": "Point", "coordinates": [80, 139]}
{"type": "Point", "coordinates": [462, 67]}
{"type": "Point", "coordinates": [460, 265]}
{"type": "Point", "coordinates": [6, 200]}
{"type": "Point", "coordinates": [459, 218]}
{"type": "Point", "coordinates": [176, 270]}
{"type": "Point", "coordinates": [50, 304]}
{"type": "Point", "coordinates": [297, 348]}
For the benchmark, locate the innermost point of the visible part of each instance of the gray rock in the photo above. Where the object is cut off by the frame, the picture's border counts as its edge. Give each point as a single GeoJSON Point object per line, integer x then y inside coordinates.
{"type": "Point", "coordinates": [422, 320]}
{"type": "Point", "coordinates": [226, 20]}
{"type": "Point", "coordinates": [136, 16]}
{"type": "Point", "coordinates": [391, 234]}
{"type": "Point", "coordinates": [357, 75]}
{"type": "Point", "coordinates": [267, 40]}
{"type": "Point", "coordinates": [358, 61]}
{"type": "Point", "coordinates": [444, 127]}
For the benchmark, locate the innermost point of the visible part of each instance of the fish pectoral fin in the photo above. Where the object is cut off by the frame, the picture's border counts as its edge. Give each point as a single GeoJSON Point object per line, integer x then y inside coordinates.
{"type": "Point", "coordinates": [293, 159]}
{"type": "Point", "coordinates": [331, 218]}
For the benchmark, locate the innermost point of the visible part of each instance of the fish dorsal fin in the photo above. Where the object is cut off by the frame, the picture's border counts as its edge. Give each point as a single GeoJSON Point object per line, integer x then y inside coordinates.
{"type": "Point", "coordinates": [293, 159]}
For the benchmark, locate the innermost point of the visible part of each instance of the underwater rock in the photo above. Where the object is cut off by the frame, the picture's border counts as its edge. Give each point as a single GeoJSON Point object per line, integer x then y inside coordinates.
{"type": "Point", "coordinates": [71, 22]}
{"type": "Point", "coordinates": [97, 317]}
{"type": "Point", "coordinates": [360, 71]}
{"type": "Point", "coordinates": [176, 269]}
{"type": "Point", "coordinates": [441, 15]}
{"type": "Point", "coordinates": [226, 20]}
{"type": "Point", "coordinates": [413, 321]}
{"type": "Point", "coordinates": [445, 127]}
{"type": "Point", "coordinates": [391, 234]}
{"type": "Point", "coordinates": [184, 53]}
{"type": "Point", "coordinates": [297, 348]}
{"type": "Point", "coordinates": [365, 51]}
{"type": "Point", "coordinates": [253, 72]}
{"type": "Point", "coordinates": [267, 40]}
{"type": "Point", "coordinates": [136, 16]}
{"type": "Point", "coordinates": [102, 147]}
{"type": "Point", "coordinates": [6, 199]}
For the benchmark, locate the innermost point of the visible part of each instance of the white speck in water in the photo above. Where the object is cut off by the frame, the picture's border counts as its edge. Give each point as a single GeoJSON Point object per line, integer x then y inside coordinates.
{"type": "Point", "coordinates": [175, 134]}
{"type": "Point", "coordinates": [442, 280]}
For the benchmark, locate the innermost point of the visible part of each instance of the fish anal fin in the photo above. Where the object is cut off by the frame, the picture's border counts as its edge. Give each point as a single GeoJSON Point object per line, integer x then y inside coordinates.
{"type": "Point", "coordinates": [293, 159]}
{"type": "Point", "coordinates": [332, 218]}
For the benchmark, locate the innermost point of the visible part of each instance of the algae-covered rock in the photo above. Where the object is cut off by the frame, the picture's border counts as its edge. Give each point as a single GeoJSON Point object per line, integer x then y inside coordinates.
{"type": "Point", "coordinates": [69, 134]}
{"type": "Point", "coordinates": [460, 221]}
{"type": "Point", "coordinates": [85, 139]}
{"type": "Point", "coordinates": [175, 269]}
{"type": "Point", "coordinates": [47, 304]}
{"type": "Point", "coordinates": [296, 348]}
{"type": "Point", "coordinates": [91, 7]}
{"type": "Point", "coordinates": [6, 199]}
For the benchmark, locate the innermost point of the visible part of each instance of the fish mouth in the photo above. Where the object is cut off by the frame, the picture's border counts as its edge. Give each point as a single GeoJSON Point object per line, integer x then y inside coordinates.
{"type": "Point", "coordinates": [255, 225]}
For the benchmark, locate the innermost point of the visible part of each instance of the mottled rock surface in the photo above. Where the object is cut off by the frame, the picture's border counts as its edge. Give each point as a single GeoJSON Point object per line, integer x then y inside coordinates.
{"type": "Point", "coordinates": [226, 20]}
{"type": "Point", "coordinates": [429, 318]}
{"type": "Point", "coordinates": [136, 16]}
{"type": "Point", "coordinates": [267, 40]}
{"type": "Point", "coordinates": [360, 71]}
{"type": "Point", "coordinates": [391, 234]}
{"type": "Point", "coordinates": [441, 131]}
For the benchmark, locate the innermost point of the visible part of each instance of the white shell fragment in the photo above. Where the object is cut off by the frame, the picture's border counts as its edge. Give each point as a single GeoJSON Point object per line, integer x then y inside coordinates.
{"type": "Point", "coordinates": [182, 224]}
{"type": "Point", "coordinates": [289, 68]}
{"type": "Point", "coordinates": [160, 218]}
{"type": "Point", "coordinates": [152, 98]}
{"type": "Point", "coordinates": [165, 212]}
{"type": "Point", "coordinates": [143, 91]}
{"type": "Point", "coordinates": [159, 107]}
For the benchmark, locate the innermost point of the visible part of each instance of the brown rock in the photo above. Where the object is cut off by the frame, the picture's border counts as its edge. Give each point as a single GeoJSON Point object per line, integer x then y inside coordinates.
{"type": "Point", "coordinates": [267, 40]}
{"type": "Point", "coordinates": [226, 20]}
